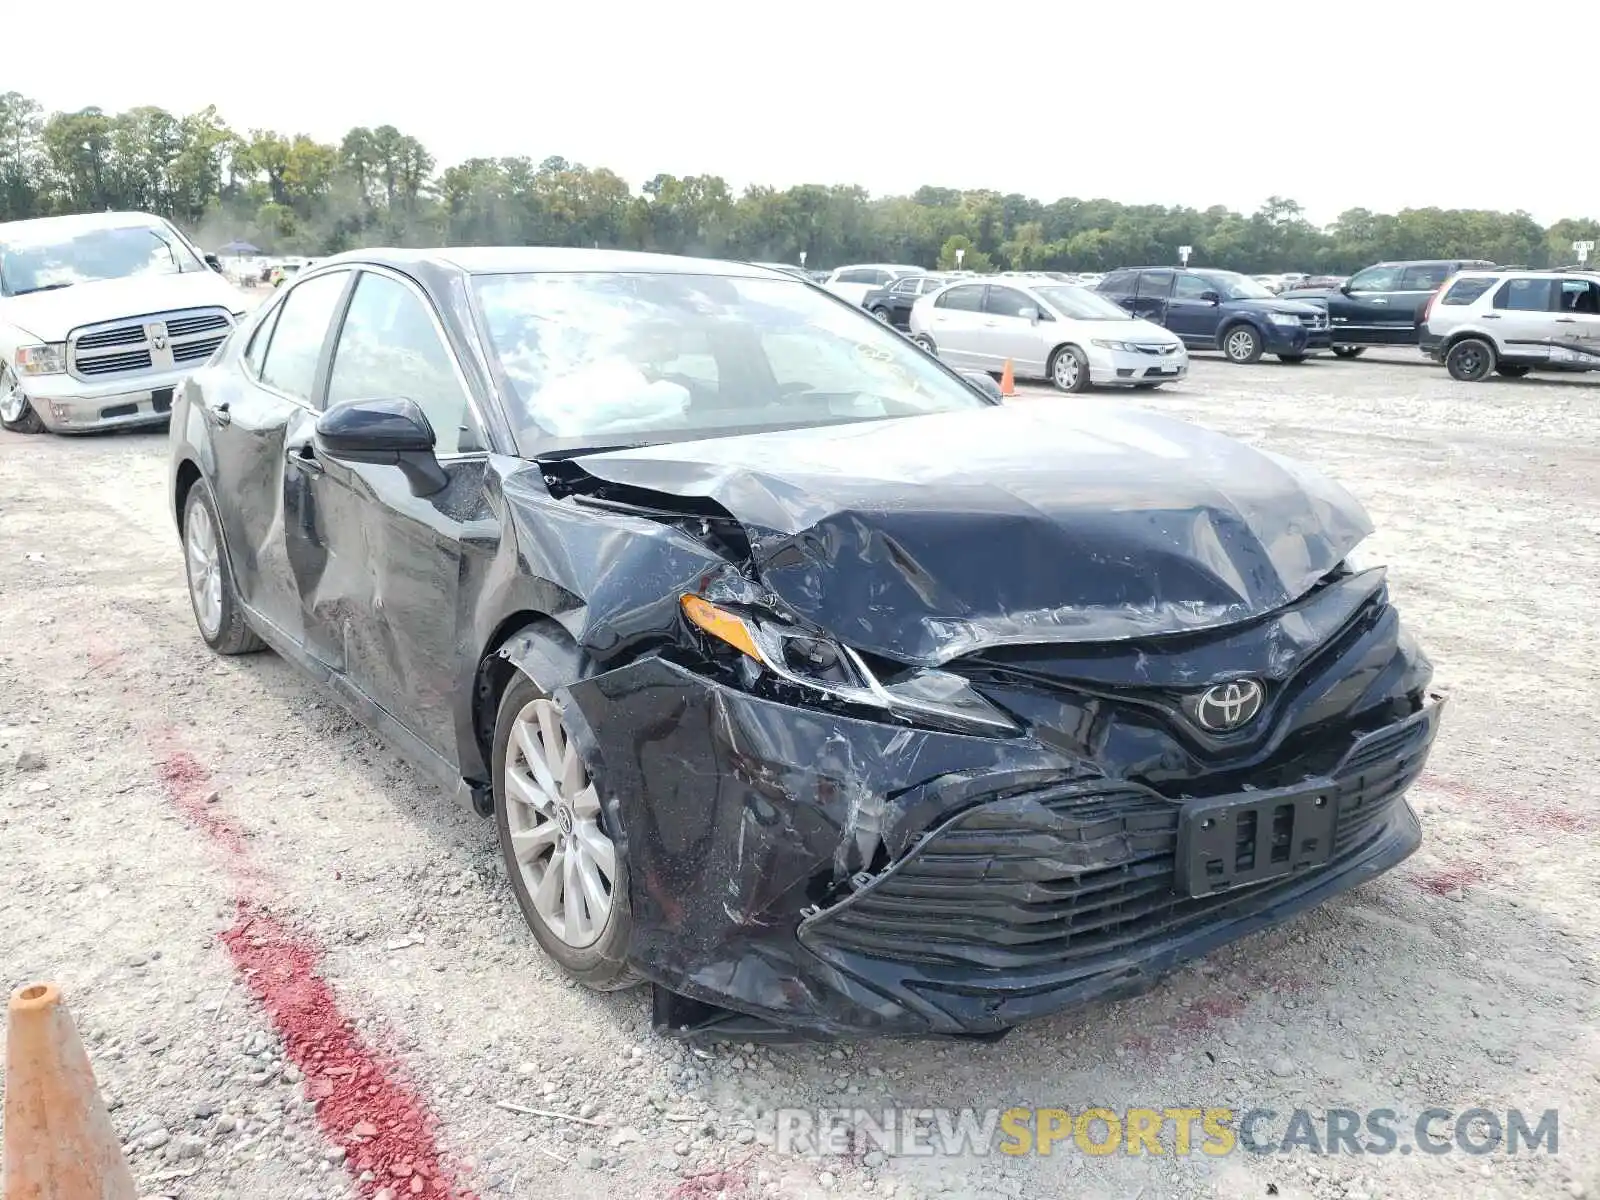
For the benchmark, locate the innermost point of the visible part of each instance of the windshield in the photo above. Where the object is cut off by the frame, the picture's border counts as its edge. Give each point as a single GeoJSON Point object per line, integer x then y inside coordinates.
{"type": "Point", "coordinates": [1237, 287]}
{"type": "Point", "coordinates": [49, 260]}
{"type": "Point", "coordinates": [1080, 304]}
{"type": "Point", "coordinates": [610, 359]}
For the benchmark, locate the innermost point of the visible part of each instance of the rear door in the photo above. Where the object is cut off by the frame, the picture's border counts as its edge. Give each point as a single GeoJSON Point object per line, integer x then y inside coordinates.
{"type": "Point", "coordinates": [902, 295]}
{"type": "Point", "coordinates": [1120, 286]}
{"type": "Point", "coordinates": [1150, 301]}
{"type": "Point", "coordinates": [1417, 282]}
{"type": "Point", "coordinates": [956, 323]}
{"type": "Point", "coordinates": [1577, 323]}
{"type": "Point", "coordinates": [262, 497]}
{"type": "Point", "coordinates": [1192, 318]}
{"type": "Point", "coordinates": [388, 586]}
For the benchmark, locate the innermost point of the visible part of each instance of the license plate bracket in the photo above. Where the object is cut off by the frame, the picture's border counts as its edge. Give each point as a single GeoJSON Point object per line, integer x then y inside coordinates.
{"type": "Point", "coordinates": [1226, 842]}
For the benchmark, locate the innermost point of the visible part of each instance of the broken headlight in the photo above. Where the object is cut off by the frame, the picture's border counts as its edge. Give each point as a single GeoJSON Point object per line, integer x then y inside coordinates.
{"type": "Point", "coordinates": [833, 669]}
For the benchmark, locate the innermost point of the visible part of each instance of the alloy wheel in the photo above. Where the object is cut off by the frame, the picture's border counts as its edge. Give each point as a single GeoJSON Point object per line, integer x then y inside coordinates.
{"type": "Point", "coordinates": [882, 314]}
{"type": "Point", "coordinates": [1066, 370]}
{"type": "Point", "coordinates": [1241, 344]}
{"type": "Point", "coordinates": [202, 556]}
{"type": "Point", "coordinates": [12, 401]}
{"type": "Point", "coordinates": [568, 864]}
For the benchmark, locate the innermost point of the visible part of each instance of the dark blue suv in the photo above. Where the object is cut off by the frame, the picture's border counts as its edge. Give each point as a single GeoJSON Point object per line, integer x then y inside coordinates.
{"type": "Point", "coordinates": [1221, 310]}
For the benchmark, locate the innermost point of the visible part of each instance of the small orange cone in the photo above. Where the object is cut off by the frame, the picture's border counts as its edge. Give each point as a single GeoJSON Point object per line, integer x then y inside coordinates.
{"type": "Point", "coordinates": [59, 1144]}
{"type": "Point", "coordinates": [1008, 381]}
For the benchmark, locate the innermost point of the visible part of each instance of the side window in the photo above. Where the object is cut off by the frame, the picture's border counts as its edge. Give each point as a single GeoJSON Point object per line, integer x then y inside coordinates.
{"type": "Point", "coordinates": [907, 286]}
{"type": "Point", "coordinates": [1465, 291]}
{"type": "Point", "coordinates": [389, 349]}
{"type": "Point", "coordinates": [299, 333]}
{"type": "Point", "coordinates": [1191, 287]}
{"type": "Point", "coordinates": [1424, 277]}
{"type": "Point", "coordinates": [1375, 279]}
{"type": "Point", "coordinates": [1006, 302]}
{"type": "Point", "coordinates": [1580, 296]}
{"type": "Point", "coordinates": [1120, 283]}
{"type": "Point", "coordinates": [966, 298]}
{"type": "Point", "coordinates": [257, 349]}
{"type": "Point", "coordinates": [859, 275]}
{"type": "Point", "coordinates": [1524, 295]}
{"type": "Point", "coordinates": [1154, 285]}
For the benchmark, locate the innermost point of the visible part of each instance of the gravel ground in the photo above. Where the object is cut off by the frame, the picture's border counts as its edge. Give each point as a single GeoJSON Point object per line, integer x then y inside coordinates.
{"type": "Point", "coordinates": [148, 790]}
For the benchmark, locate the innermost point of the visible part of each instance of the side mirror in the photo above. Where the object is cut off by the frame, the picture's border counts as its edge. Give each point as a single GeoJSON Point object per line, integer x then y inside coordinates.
{"type": "Point", "coordinates": [1029, 313]}
{"type": "Point", "coordinates": [985, 383]}
{"type": "Point", "coordinates": [214, 263]}
{"type": "Point", "coordinates": [1344, 287]}
{"type": "Point", "coordinates": [1211, 297]}
{"type": "Point", "coordinates": [392, 433]}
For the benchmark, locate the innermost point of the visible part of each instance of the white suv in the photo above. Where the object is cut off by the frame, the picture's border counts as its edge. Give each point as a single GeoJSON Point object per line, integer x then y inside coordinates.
{"type": "Point", "coordinates": [853, 282]}
{"type": "Point", "coordinates": [1513, 322]}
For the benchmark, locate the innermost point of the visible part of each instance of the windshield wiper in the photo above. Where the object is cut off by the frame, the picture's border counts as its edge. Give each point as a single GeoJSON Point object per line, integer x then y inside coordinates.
{"type": "Point", "coordinates": [43, 287]}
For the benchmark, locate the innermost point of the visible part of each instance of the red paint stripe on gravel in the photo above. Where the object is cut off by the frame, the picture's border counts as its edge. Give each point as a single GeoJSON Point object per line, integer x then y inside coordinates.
{"type": "Point", "coordinates": [187, 784]}
{"type": "Point", "coordinates": [361, 1103]}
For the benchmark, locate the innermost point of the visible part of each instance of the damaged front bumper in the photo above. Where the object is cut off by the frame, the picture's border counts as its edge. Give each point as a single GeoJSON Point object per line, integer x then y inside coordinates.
{"type": "Point", "coordinates": [799, 873]}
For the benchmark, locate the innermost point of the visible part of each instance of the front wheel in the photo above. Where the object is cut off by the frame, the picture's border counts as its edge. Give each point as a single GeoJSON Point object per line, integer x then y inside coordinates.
{"type": "Point", "coordinates": [16, 411]}
{"type": "Point", "coordinates": [1069, 369]}
{"type": "Point", "coordinates": [1470, 360]}
{"type": "Point", "coordinates": [926, 343]}
{"type": "Point", "coordinates": [1293, 358]}
{"type": "Point", "coordinates": [211, 592]}
{"type": "Point", "coordinates": [1349, 351]}
{"type": "Point", "coordinates": [883, 315]}
{"type": "Point", "coordinates": [1242, 345]}
{"type": "Point", "coordinates": [1513, 370]}
{"type": "Point", "coordinates": [570, 878]}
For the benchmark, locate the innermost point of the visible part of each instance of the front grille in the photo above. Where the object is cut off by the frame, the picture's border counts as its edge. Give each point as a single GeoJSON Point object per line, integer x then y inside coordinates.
{"type": "Point", "coordinates": [1157, 348]}
{"type": "Point", "coordinates": [1047, 877]}
{"type": "Point", "coordinates": [115, 364]}
{"type": "Point", "coordinates": [159, 342]}
{"type": "Point", "coordinates": [1316, 321]}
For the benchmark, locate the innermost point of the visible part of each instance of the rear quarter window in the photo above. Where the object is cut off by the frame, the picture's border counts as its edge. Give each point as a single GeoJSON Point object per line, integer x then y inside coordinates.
{"type": "Point", "coordinates": [1465, 291]}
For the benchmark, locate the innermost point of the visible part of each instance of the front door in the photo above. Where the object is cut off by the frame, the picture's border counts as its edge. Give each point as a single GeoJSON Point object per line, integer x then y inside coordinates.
{"type": "Point", "coordinates": [390, 589]}
{"type": "Point", "coordinates": [1192, 316]}
{"type": "Point", "coordinates": [257, 416]}
{"type": "Point", "coordinates": [1363, 313]}
{"type": "Point", "coordinates": [1009, 334]}
{"type": "Point", "coordinates": [1417, 283]}
{"type": "Point", "coordinates": [956, 323]}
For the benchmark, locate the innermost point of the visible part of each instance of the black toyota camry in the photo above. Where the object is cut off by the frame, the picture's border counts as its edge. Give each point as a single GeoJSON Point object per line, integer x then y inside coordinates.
{"type": "Point", "coordinates": [803, 680]}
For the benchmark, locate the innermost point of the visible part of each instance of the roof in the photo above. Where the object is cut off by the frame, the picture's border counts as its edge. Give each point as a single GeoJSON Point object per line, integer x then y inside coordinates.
{"type": "Point", "coordinates": [76, 223]}
{"type": "Point", "coordinates": [503, 260]}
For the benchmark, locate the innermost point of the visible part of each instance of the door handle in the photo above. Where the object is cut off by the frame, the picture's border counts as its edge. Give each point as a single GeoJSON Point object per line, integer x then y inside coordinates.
{"type": "Point", "coordinates": [1491, 316]}
{"type": "Point", "coordinates": [1566, 321]}
{"type": "Point", "coordinates": [303, 457]}
{"type": "Point", "coordinates": [1379, 300]}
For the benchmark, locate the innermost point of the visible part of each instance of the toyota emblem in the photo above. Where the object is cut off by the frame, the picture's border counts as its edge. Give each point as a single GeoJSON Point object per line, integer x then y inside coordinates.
{"type": "Point", "coordinates": [1227, 706]}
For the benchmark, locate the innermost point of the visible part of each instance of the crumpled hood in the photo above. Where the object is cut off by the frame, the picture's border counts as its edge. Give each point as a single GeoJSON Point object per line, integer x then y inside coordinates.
{"type": "Point", "coordinates": [50, 316]}
{"type": "Point", "coordinates": [924, 538]}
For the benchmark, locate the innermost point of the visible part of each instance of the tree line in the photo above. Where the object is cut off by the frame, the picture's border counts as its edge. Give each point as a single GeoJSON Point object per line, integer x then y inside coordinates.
{"type": "Point", "coordinates": [291, 194]}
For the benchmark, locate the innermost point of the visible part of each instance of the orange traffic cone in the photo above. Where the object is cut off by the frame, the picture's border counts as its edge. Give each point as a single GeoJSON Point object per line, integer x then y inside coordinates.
{"type": "Point", "coordinates": [59, 1144]}
{"type": "Point", "coordinates": [1008, 381]}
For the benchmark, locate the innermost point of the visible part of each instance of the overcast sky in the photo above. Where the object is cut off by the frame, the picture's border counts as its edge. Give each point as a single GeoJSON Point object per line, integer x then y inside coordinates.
{"type": "Point", "coordinates": [1343, 104]}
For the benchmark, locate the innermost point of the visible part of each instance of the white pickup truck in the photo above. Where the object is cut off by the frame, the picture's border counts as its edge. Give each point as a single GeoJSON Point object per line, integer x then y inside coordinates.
{"type": "Point", "coordinates": [101, 316]}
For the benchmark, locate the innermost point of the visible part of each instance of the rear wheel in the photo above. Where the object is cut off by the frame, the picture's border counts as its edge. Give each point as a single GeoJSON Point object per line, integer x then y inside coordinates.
{"type": "Point", "coordinates": [1069, 369]}
{"type": "Point", "coordinates": [569, 877]}
{"type": "Point", "coordinates": [1513, 370]}
{"type": "Point", "coordinates": [1470, 360]}
{"type": "Point", "coordinates": [1293, 358]}
{"type": "Point", "coordinates": [16, 412]}
{"type": "Point", "coordinates": [1242, 345]}
{"type": "Point", "coordinates": [1349, 351]}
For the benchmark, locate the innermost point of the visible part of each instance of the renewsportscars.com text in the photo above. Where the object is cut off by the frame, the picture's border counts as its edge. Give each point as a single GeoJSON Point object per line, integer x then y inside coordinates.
{"type": "Point", "coordinates": [1164, 1131]}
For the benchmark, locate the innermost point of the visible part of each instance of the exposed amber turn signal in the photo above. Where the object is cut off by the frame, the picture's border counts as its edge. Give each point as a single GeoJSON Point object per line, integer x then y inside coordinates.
{"type": "Point", "coordinates": [721, 624]}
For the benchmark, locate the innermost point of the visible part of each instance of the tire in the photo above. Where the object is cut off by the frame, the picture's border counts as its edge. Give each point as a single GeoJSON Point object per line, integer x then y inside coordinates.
{"type": "Point", "coordinates": [223, 628]}
{"type": "Point", "coordinates": [883, 315]}
{"type": "Point", "coordinates": [1241, 344]}
{"type": "Point", "coordinates": [1513, 370]}
{"type": "Point", "coordinates": [1293, 358]}
{"type": "Point", "coordinates": [1069, 369]}
{"type": "Point", "coordinates": [926, 343]}
{"type": "Point", "coordinates": [1470, 360]}
{"type": "Point", "coordinates": [594, 954]}
{"type": "Point", "coordinates": [16, 413]}
{"type": "Point", "coordinates": [1349, 351]}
